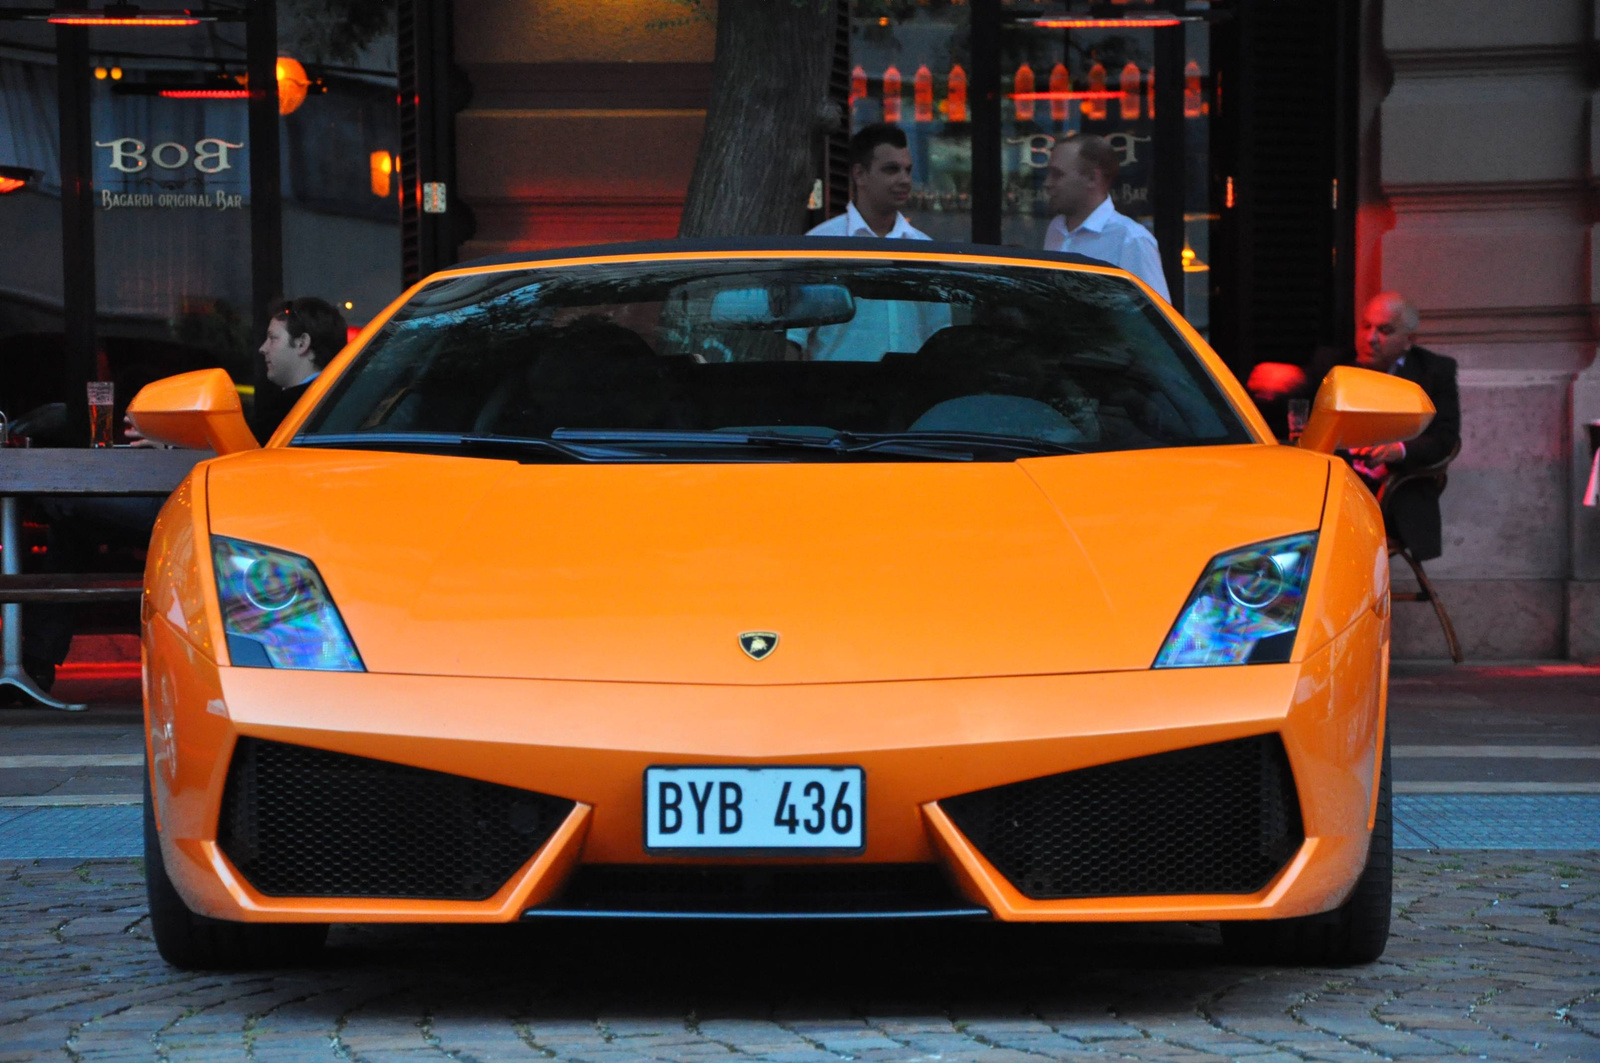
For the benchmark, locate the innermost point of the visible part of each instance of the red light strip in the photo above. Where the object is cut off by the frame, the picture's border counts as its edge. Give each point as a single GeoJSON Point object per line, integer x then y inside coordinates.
{"type": "Point", "coordinates": [1066, 96]}
{"type": "Point", "coordinates": [143, 20]}
{"type": "Point", "coordinates": [1103, 23]}
{"type": "Point", "coordinates": [10, 184]}
{"type": "Point", "coordinates": [205, 94]}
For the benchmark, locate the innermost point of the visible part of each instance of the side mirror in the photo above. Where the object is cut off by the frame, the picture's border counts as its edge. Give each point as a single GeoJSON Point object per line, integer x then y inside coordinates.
{"type": "Point", "coordinates": [1361, 408]}
{"type": "Point", "coordinates": [198, 410]}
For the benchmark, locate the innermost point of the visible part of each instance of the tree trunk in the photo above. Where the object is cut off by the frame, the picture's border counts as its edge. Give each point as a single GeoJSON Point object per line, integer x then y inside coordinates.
{"type": "Point", "coordinates": [769, 99]}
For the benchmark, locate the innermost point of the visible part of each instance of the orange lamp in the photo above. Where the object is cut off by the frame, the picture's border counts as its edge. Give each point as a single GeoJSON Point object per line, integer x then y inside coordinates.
{"type": "Point", "coordinates": [1060, 82]}
{"type": "Point", "coordinates": [1022, 89]}
{"type": "Point", "coordinates": [382, 164]}
{"type": "Point", "coordinates": [922, 94]}
{"type": "Point", "coordinates": [293, 84]}
{"type": "Point", "coordinates": [891, 94]}
{"type": "Point", "coordinates": [956, 102]}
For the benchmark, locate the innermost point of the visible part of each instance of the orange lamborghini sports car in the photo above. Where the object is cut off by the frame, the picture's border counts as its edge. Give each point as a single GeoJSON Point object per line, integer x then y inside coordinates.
{"type": "Point", "coordinates": [804, 579]}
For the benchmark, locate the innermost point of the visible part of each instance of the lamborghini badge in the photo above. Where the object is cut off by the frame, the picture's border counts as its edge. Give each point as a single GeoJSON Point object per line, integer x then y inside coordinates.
{"type": "Point", "coordinates": [757, 645]}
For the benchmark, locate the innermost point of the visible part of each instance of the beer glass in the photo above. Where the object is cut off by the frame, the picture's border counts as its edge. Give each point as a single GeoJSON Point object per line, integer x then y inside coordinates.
{"type": "Point", "coordinates": [100, 402]}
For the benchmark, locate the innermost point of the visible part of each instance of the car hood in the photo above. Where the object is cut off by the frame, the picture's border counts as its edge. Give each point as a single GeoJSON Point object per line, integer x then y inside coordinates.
{"type": "Point", "coordinates": [865, 571]}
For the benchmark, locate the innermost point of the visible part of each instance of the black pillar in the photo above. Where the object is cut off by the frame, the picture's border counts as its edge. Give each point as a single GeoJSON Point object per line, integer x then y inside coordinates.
{"type": "Point", "coordinates": [77, 213]}
{"type": "Point", "coordinates": [431, 92]}
{"type": "Point", "coordinates": [266, 199]}
{"type": "Point", "coordinates": [1169, 161]}
{"type": "Point", "coordinates": [986, 163]}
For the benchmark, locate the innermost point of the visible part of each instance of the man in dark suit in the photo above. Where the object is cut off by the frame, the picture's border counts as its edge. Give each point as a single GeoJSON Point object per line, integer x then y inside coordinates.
{"type": "Point", "coordinates": [1387, 344]}
{"type": "Point", "coordinates": [1388, 335]}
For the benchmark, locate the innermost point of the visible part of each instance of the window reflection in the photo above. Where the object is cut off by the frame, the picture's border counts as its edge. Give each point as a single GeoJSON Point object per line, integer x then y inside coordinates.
{"type": "Point", "coordinates": [921, 50]}
{"type": "Point", "coordinates": [911, 61]}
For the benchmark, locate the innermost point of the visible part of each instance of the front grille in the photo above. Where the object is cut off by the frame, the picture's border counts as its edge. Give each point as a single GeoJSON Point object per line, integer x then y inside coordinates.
{"type": "Point", "coordinates": [309, 823]}
{"type": "Point", "coordinates": [1221, 818]}
{"type": "Point", "coordinates": [852, 890]}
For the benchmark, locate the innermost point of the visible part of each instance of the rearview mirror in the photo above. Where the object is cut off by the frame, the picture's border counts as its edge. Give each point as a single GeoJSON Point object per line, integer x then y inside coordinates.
{"type": "Point", "coordinates": [782, 306]}
{"type": "Point", "coordinates": [198, 410]}
{"type": "Point", "coordinates": [1361, 408]}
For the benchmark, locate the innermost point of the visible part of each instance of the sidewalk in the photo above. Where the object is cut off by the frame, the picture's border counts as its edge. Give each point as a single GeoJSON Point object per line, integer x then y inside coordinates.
{"type": "Point", "coordinates": [1493, 757]}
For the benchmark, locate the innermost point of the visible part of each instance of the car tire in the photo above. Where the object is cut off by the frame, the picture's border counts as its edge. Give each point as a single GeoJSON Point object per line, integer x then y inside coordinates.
{"type": "Point", "coordinates": [197, 942]}
{"type": "Point", "coordinates": [1355, 932]}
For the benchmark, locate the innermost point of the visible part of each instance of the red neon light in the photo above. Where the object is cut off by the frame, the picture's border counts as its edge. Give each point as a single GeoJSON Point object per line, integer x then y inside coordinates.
{"type": "Point", "coordinates": [10, 184]}
{"type": "Point", "coordinates": [1066, 96]}
{"type": "Point", "coordinates": [205, 94]}
{"type": "Point", "coordinates": [142, 20]}
{"type": "Point", "coordinates": [1103, 23]}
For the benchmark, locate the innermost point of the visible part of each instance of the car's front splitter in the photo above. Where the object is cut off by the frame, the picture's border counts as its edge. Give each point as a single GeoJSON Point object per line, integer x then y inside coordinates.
{"type": "Point", "coordinates": [918, 742]}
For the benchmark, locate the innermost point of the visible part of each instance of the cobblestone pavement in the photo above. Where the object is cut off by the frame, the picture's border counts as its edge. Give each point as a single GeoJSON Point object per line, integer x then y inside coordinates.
{"type": "Point", "coordinates": [1495, 956]}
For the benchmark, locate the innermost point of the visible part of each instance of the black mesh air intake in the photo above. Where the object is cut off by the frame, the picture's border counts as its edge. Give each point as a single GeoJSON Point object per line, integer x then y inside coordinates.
{"type": "Point", "coordinates": [306, 822]}
{"type": "Point", "coordinates": [1221, 818]}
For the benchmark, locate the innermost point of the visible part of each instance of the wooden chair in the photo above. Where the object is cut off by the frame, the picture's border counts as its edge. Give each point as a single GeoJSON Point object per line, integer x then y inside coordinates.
{"type": "Point", "coordinates": [1425, 591]}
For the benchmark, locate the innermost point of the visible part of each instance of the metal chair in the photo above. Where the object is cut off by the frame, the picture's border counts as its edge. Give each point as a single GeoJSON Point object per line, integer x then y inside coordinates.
{"type": "Point", "coordinates": [1425, 591]}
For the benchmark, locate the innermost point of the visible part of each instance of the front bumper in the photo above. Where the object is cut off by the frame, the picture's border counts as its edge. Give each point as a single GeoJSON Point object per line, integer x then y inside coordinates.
{"type": "Point", "coordinates": [919, 742]}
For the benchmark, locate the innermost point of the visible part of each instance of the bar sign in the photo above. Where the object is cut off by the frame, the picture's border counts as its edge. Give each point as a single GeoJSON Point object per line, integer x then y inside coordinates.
{"type": "Point", "coordinates": [433, 200]}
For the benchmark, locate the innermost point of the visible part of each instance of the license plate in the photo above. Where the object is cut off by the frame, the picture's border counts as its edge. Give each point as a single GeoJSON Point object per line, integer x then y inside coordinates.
{"type": "Point", "coordinates": [754, 808]}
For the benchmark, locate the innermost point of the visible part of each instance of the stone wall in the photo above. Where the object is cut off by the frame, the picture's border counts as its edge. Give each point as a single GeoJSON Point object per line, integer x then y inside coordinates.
{"type": "Point", "coordinates": [584, 120]}
{"type": "Point", "coordinates": [1481, 210]}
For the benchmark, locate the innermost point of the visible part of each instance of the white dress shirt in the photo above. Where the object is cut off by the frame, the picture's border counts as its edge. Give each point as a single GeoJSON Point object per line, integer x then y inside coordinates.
{"type": "Point", "coordinates": [851, 223]}
{"type": "Point", "coordinates": [1115, 238]}
{"type": "Point", "coordinates": [879, 325]}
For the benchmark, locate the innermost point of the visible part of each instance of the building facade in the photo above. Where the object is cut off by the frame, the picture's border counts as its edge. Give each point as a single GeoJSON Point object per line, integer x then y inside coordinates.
{"type": "Point", "coordinates": [1294, 157]}
{"type": "Point", "coordinates": [1479, 158]}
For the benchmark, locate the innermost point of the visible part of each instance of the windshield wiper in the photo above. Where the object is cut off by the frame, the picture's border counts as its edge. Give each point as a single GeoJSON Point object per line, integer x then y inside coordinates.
{"type": "Point", "coordinates": [445, 441]}
{"type": "Point", "coordinates": [908, 444]}
{"type": "Point", "coordinates": [931, 444]}
{"type": "Point", "coordinates": [856, 441]}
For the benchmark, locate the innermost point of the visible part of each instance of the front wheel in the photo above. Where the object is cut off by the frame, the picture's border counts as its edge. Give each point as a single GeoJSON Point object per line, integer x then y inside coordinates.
{"type": "Point", "coordinates": [1355, 932]}
{"type": "Point", "coordinates": [197, 942]}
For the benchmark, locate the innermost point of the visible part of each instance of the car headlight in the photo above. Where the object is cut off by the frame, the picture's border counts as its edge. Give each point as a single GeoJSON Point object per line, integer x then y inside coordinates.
{"type": "Point", "coordinates": [1246, 607]}
{"type": "Point", "coordinates": [276, 611]}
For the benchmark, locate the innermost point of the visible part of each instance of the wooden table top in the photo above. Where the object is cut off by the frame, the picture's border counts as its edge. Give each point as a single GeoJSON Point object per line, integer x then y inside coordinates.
{"type": "Point", "coordinates": [82, 471]}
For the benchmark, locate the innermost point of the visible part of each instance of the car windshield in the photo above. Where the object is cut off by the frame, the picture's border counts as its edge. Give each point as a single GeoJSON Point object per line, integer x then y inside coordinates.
{"type": "Point", "coordinates": [775, 360]}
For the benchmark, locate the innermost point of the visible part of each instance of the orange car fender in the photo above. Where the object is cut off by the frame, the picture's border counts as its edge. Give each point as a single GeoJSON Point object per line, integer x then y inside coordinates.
{"type": "Point", "coordinates": [1351, 574]}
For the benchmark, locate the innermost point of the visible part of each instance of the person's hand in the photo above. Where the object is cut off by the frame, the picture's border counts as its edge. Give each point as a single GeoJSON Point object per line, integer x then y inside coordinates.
{"type": "Point", "coordinates": [1382, 454]}
{"type": "Point", "coordinates": [135, 437]}
{"type": "Point", "coordinates": [1270, 381]}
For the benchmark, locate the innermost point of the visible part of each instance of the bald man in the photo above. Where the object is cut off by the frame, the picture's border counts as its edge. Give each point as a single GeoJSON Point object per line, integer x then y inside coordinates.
{"type": "Point", "coordinates": [1387, 343]}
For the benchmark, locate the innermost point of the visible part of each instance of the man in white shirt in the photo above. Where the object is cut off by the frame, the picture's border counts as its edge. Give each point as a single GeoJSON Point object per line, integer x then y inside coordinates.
{"type": "Point", "coordinates": [1083, 170]}
{"type": "Point", "coordinates": [880, 172]}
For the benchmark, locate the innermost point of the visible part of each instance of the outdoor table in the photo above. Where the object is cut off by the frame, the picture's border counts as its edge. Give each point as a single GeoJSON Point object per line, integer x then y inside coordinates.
{"type": "Point", "coordinates": [115, 471]}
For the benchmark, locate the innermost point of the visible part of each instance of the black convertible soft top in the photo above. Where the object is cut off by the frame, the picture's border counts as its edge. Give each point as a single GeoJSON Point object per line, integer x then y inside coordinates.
{"type": "Point", "coordinates": [777, 243]}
